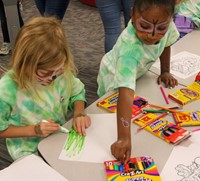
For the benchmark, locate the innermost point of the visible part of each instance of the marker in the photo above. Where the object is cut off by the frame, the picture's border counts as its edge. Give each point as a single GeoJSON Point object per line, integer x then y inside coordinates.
{"type": "Point", "coordinates": [116, 166]}
{"type": "Point", "coordinates": [194, 130]}
{"type": "Point", "coordinates": [170, 110]}
{"type": "Point", "coordinates": [121, 168]}
{"type": "Point", "coordinates": [148, 123]}
{"type": "Point", "coordinates": [111, 167]}
{"type": "Point", "coordinates": [164, 95]}
{"type": "Point", "coordinates": [154, 111]}
{"type": "Point", "coordinates": [62, 129]}
{"type": "Point", "coordinates": [126, 166]}
{"type": "Point", "coordinates": [132, 166]}
{"type": "Point", "coordinates": [139, 164]}
{"type": "Point", "coordinates": [172, 129]}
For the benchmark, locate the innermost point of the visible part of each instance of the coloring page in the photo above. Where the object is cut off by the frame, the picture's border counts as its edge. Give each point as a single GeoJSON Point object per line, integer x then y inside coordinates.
{"type": "Point", "coordinates": [184, 161]}
{"type": "Point", "coordinates": [183, 64]}
{"type": "Point", "coordinates": [96, 145]}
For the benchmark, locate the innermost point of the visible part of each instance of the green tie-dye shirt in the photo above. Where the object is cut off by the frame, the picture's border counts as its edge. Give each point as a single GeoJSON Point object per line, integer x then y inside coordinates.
{"type": "Point", "coordinates": [190, 9]}
{"type": "Point", "coordinates": [23, 108]}
{"type": "Point", "coordinates": [130, 58]}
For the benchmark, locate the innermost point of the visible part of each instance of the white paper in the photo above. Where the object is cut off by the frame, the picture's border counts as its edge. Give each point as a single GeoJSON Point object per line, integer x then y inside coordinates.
{"type": "Point", "coordinates": [184, 161]}
{"type": "Point", "coordinates": [100, 136]}
{"type": "Point", "coordinates": [30, 168]}
{"type": "Point", "coordinates": [183, 64]}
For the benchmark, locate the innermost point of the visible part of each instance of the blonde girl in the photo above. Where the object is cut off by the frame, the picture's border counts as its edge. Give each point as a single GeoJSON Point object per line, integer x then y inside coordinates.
{"type": "Point", "coordinates": [41, 85]}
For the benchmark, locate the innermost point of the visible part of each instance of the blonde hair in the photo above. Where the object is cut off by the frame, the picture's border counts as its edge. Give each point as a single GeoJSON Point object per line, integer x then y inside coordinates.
{"type": "Point", "coordinates": [40, 44]}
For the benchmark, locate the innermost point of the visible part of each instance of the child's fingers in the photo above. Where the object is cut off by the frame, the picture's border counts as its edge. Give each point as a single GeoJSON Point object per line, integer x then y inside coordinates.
{"type": "Point", "coordinates": [82, 126]}
{"type": "Point", "coordinates": [87, 122]}
{"type": "Point", "coordinates": [127, 156]}
{"type": "Point", "coordinates": [159, 80]}
{"type": "Point", "coordinates": [49, 127]}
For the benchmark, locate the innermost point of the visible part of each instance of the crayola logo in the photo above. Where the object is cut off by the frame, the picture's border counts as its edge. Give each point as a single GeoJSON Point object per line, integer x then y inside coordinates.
{"type": "Point", "coordinates": [139, 179]}
{"type": "Point", "coordinates": [132, 173]}
{"type": "Point", "coordinates": [113, 100]}
{"type": "Point", "coordinates": [156, 123]}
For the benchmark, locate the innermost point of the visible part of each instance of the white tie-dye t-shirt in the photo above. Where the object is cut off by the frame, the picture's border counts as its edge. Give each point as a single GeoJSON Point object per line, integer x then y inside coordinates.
{"type": "Point", "coordinates": [22, 108]}
{"type": "Point", "coordinates": [130, 58]}
{"type": "Point", "coordinates": [190, 9]}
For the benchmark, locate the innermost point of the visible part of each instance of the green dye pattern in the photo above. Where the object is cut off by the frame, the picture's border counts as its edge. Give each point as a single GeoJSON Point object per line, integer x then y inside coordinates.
{"type": "Point", "coordinates": [74, 143]}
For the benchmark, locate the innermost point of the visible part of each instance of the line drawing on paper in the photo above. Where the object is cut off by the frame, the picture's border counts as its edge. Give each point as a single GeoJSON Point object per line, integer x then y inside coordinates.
{"type": "Point", "coordinates": [186, 65]}
{"type": "Point", "coordinates": [189, 172]}
{"type": "Point", "coordinates": [183, 64]}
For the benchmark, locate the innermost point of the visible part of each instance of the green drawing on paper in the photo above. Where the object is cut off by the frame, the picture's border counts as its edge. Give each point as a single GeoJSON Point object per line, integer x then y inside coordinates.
{"type": "Point", "coordinates": [74, 143]}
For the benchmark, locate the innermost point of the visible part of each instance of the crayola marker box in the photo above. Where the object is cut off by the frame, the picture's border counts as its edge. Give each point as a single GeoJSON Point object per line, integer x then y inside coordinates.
{"type": "Point", "coordinates": [110, 104]}
{"type": "Point", "coordinates": [137, 169]}
{"type": "Point", "coordinates": [162, 128]}
{"type": "Point", "coordinates": [191, 118]}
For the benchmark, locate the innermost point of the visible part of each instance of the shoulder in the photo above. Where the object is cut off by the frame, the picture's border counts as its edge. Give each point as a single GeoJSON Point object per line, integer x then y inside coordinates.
{"type": "Point", "coordinates": [128, 42]}
{"type": "Point", "coordinates": [172, 30]}
{"type": "Point", "coordinates": [9, 87]}
{"type": "Point", "coordinates": [7, 82]}
{"type": "Point", "coordinates": [128, 35]}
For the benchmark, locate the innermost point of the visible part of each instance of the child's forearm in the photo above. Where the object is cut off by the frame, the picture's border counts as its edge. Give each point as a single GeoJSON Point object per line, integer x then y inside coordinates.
{"type": "Point", "coordinates": [79, 107]}
{"type": "Point", "coordinates": [124, 112]}
{"type": "Point", "coordinates": [165, 60]}
{"type": "Point", "coordinates": [18, 131]}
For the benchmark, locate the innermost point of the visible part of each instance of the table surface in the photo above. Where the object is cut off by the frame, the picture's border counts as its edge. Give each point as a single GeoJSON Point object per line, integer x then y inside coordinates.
{"type": "Point", "coordinates": [143, 143]}
{"type": "Point", "coordinates": [189, 43]}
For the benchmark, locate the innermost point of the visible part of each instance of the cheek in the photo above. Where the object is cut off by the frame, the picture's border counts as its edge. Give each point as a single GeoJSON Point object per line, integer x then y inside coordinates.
{"type": "Point", "coordinates": [141, 35]}
{"type": "Point", "coordinates": [157, 37]}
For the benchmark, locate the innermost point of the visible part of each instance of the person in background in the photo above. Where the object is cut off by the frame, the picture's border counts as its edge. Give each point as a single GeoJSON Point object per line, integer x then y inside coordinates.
{"type": "Point", "coordinates": [41, 85]}
{"type": "Point", "coordinates": [6, 46]}
{"type": "Point", "coordinates": [110, 12]}
{"type": "Point", "coordinates": [56, 8]}
{"type": "Point", "coordinates": [187, 17]}
{"type": "Point", "coordinates": [147, 37]}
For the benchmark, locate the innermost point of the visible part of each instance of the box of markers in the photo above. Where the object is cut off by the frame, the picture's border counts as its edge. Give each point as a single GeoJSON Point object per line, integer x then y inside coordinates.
{"type": "Point", "coordinates": [137, 169]}
{"type": "Point", "coordinates": [110, 104]}
{"type": "Point", "coordinates": [187, 94]}
{"type": "Point", "coordinates": [162, 128]}
{"type": "Point", "coordinates": [191, 118]}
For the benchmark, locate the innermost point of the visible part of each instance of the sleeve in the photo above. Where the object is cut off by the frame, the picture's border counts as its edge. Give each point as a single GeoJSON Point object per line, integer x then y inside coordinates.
{"type": "Point", "coordinates": [126, 66]}
{"type": "Point", "coordinates": [4, 115]}
{"type": "Point", "coordinates": [7, 100]}
{"type": "Point", "coordinates": [77, 91]}
{"type": "Point", "coordinates": [172, 35]}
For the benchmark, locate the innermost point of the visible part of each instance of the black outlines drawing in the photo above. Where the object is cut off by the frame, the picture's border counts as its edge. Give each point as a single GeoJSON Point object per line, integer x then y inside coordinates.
{"type": "Point", "coordinates": [186, 65]}
{"type": "Point", "coordinates": [189, 172]}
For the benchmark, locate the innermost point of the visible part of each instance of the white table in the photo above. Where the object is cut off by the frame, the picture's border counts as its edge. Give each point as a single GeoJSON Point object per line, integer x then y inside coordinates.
{"type": "Point", "coordinates": [144, 143]}
{"type": "Point", "coordinates": [189, 43]}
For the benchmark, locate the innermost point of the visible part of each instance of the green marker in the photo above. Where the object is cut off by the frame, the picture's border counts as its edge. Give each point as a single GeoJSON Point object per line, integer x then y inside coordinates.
{"type": "Point", "coordinates": [154, 111]}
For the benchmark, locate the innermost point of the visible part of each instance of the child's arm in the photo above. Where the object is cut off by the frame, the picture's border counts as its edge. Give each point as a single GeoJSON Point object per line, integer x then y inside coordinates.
{"type": "Point", "coordinates": [165, 75]}
{"type": "Point", "coordinates": [41, 129]}
{"type": "Point", "coordinates": [121, 149]}
{"type": "Point", "coordinates": [81, 120]}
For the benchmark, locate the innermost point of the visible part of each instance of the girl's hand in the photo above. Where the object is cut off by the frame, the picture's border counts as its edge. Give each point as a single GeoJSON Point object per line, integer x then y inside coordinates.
{"type": "Point", "coordinates": [80, 123]}
{"type": "Point", "coordinates": [168, 80]}
{"type": "Point", "coordinates": [44, 129]}
{"type": "Point", "coordinates": [121, 150]}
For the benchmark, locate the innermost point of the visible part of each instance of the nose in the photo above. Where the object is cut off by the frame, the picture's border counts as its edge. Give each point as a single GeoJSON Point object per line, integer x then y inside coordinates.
{"type": "Point", "coordinates": [54, 77]}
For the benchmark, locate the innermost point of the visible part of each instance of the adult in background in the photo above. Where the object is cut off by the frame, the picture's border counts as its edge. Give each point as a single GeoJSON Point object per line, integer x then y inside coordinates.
{"type": "Point", "coordinates": [6, 46]}
{"type": "Point", "coordinates": [56, 8]}
{"type": "Point", "coordinates": [110, 12]}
